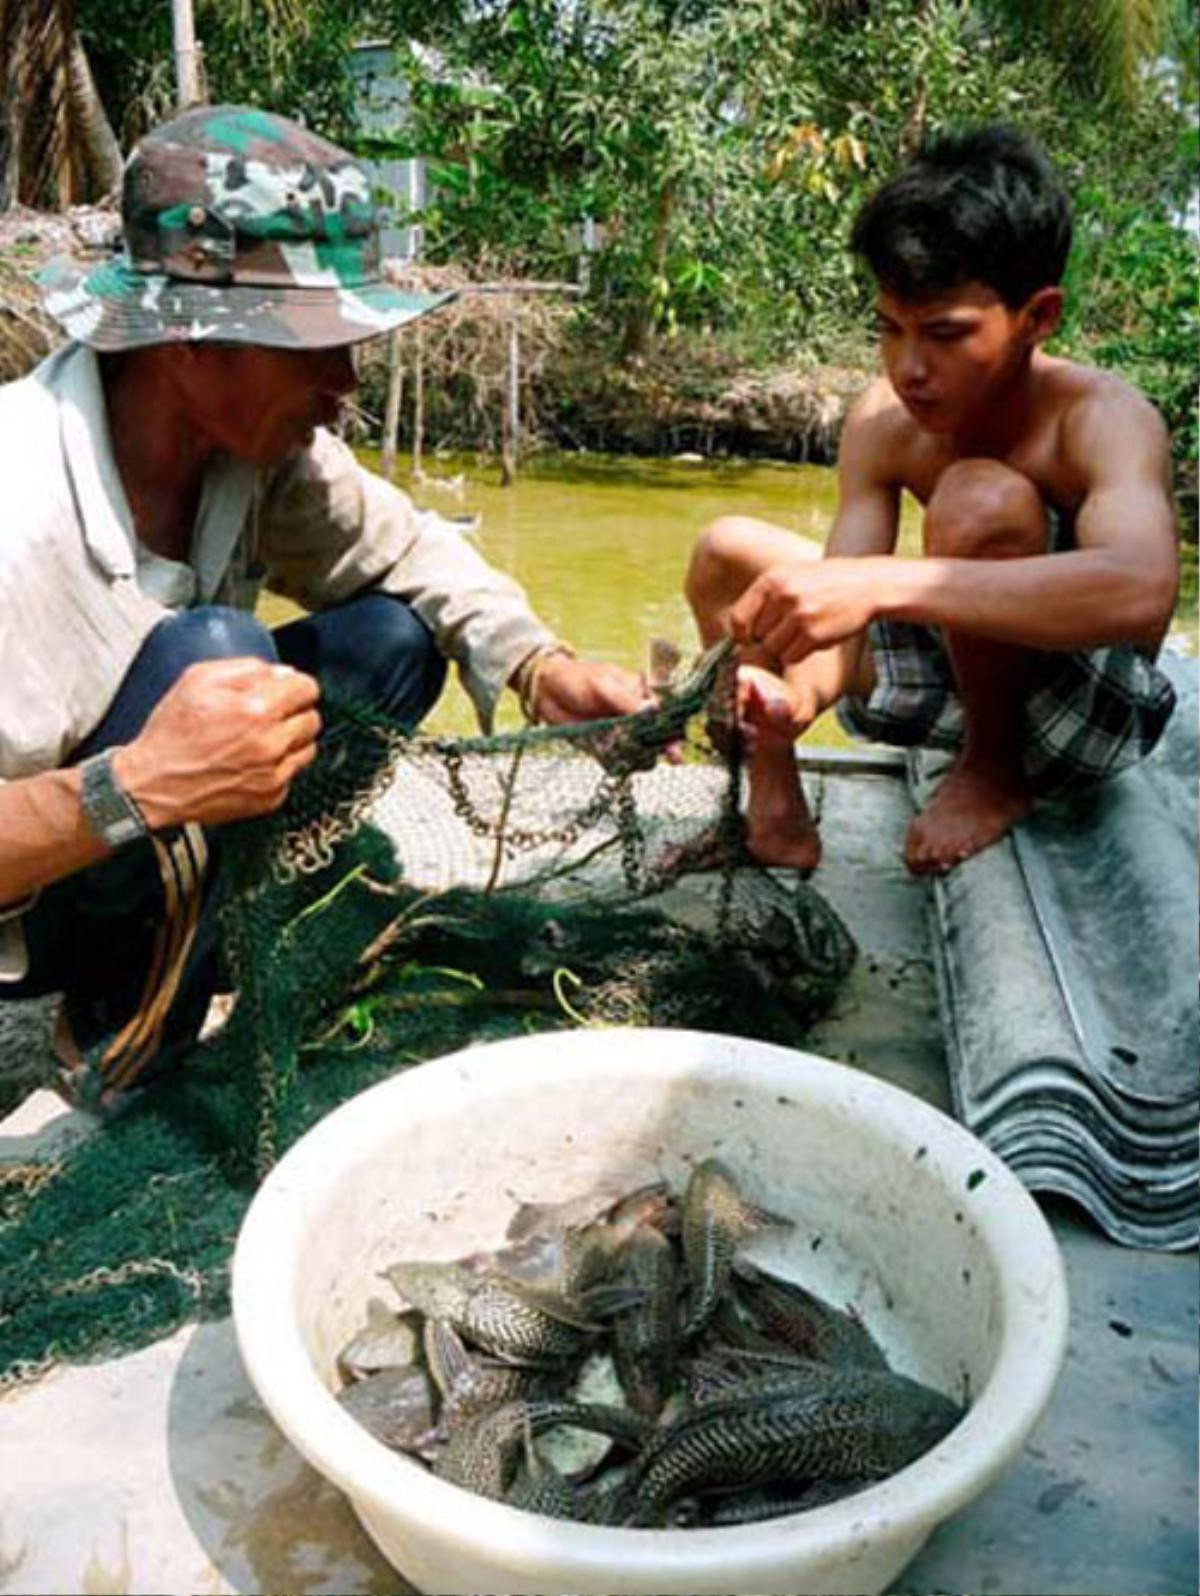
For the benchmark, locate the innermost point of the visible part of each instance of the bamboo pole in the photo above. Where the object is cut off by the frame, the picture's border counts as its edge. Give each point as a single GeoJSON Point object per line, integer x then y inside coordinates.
{"type": "Point", "coordinates": [510, 431]}
{"type": "Point", "coordinates": [418, 470]}
{"type": "Point", "coordinates": [391, 414]}
{"type": "Point", "coordinates": [187, 76]}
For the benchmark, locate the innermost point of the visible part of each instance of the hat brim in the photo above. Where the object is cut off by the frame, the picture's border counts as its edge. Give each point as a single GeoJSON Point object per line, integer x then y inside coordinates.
{"type": "Point", "coordinates": [114, 307]}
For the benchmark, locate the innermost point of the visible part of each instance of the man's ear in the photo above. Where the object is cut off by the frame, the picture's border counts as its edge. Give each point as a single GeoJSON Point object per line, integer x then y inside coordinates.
{"type": "Point", "coordinates": [1042, 313]}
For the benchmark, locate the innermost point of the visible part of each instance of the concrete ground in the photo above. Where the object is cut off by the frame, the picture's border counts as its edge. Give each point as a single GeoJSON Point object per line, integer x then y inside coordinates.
{"type": "Point", "coordinates": [198, 1491]}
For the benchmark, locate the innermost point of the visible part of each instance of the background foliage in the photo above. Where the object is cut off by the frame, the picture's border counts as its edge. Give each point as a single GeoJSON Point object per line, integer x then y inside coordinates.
{"type": "Point", "coordinates": [723, 146]}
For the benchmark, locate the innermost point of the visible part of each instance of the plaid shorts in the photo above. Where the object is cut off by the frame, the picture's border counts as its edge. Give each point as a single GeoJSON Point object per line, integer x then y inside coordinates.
{"type": "Point", "coordinates": [1090, 713]}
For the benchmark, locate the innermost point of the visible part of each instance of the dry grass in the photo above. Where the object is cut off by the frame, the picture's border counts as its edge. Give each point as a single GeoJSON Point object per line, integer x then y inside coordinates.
{"type": "Point", "coordinates": [28, 240]}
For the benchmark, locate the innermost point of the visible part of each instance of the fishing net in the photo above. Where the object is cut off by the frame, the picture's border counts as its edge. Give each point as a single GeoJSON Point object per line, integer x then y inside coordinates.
{"type": "Point", "coordinates": [359, 941]}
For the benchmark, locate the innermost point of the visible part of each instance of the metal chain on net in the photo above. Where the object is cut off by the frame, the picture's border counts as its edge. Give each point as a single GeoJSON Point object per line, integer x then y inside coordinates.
{"type": "Point", "coordinates": [633, 841]}
{"type": "Point", "coordinates": [306, 849]}
{"type": "Point", "coordinates": [730, 826]}
{"type": "Point", "coordinates": [519, 839]}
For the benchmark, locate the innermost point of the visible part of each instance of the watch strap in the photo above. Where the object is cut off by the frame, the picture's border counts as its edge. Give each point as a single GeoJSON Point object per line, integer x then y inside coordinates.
{"type": "Point", "coordinates": [110, 811]}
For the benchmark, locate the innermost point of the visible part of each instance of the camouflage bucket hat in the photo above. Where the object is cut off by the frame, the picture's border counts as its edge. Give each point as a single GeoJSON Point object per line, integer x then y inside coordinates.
{"type": "Point", "coordinates": [240, 227]}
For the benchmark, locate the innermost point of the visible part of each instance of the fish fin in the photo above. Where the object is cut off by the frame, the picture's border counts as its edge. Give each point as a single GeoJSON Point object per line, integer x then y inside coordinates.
{"type": "Point", "coordinates": [762, 1218]}
{"type": "Point", "coordinates": [567, 1310]}
{"type": "Point", "coordinates": [528, 1217]}
{"type": "Point", "coordinates": [445, 1353]}
{"type": "Point", "coordinates": [602, 1302]}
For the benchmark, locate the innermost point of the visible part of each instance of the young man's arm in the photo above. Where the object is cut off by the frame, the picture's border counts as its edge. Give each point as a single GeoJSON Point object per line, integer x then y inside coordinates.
{"type": "Point", "coordinates": [1117, 586]}
{"type": "Point", "coordinates": [865, 525]}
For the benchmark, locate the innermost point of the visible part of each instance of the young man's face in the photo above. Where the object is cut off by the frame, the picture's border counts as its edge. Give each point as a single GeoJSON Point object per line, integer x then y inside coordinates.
{"type": "Point", "coordinates": [950, 358]}
{"type": "Point", "coordinates": [260, 404]}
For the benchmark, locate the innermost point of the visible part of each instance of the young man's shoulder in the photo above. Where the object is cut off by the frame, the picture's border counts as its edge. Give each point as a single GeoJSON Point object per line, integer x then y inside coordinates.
{"type": "Point", "coordinates": [1080, 392]}
{"type": "Point", "coordinates": [881, 432]}
{"type": "Point", "coordinates": [878, 417]}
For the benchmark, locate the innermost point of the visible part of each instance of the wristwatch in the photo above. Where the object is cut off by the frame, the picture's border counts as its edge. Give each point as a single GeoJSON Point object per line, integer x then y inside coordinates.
{"type": "Point", "coordinates": [111, 812]}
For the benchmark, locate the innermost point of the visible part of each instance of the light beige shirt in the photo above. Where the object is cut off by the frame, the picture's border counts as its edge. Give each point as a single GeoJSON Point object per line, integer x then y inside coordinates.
{"type": "Point", "coordinates": [76, 602]}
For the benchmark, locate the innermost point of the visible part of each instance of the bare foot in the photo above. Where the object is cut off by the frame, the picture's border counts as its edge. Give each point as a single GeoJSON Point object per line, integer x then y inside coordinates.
{"type": "Point", "coordinates": [780, 831]}
{"type": "Point", "coordinates": [970, 811]}
{"type": "Point", "coordinates": [779, 827]}
{"type": "Point", "coordinates": [790, 840]}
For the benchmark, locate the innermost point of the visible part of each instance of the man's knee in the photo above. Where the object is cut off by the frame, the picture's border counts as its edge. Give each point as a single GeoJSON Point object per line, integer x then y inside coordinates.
{"type": "Point", "coordinates": [177, 642]}
{"type": "Point", "coordinates": [374, 650]}
{"type": "Point", "coordinates": [210, 632]}
{"type": "Point", "coordinates": [733, 550]}
{"type": "Point", "coordinates": [983, 509]}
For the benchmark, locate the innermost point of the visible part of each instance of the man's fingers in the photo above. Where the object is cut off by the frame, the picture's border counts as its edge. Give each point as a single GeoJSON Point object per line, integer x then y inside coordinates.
{"type": "Point", "coordinates": [288, 691]}
{"type": "Point", "coordinates": [278, 698]}
{"type": "Point", "coordinates": [280, 687]}
{"type": "Point", "coordinates": [303, 729]}
{"type": "Point", "coordinates": [229, 672]}
{"type": "Point", "coordinates": [289, 769]}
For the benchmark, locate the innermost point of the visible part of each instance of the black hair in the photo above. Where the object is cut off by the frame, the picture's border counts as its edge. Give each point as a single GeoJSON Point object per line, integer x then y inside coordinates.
{"type": "Point", "coordinates": [981, 205]}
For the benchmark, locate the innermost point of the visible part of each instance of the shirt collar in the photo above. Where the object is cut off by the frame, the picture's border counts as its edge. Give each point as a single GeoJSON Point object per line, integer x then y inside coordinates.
{"type": "Point", "coordinates": [108, 525]}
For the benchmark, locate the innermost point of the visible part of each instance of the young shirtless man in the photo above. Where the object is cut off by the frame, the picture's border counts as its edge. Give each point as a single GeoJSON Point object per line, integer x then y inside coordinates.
{"type": "Point", "coordinates": [1025, 638]}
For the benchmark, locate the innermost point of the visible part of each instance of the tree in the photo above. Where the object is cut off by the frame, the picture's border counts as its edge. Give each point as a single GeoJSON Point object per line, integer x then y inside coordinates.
{"type": "Point", "coordinates": [1105, 45]}
{"type": "Point", "coordinates": [56, 145]}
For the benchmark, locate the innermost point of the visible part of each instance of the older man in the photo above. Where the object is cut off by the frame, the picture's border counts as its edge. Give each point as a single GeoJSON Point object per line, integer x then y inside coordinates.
{"type": "Point", "coordinates": [158, 469]}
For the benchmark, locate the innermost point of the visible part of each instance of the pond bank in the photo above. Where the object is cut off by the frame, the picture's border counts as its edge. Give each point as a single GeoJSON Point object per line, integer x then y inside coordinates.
{"type": "Point", "coordinates": [665, 407]}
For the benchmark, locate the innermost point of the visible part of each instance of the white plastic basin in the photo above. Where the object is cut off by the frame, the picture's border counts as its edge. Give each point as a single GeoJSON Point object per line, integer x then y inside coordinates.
{"type": "Point", "coordinates": [928, 1234]}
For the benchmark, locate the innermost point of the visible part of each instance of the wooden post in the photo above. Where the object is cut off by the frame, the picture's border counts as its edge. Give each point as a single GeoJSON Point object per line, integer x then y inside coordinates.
{"type": "Point", "coordinates": [187, 76]}
{"type": "Point", "coordinates": [391, 413]}
{"type": "Point", "coordinates": [418, 470]}
{"type": "Point", "coordinates": [510, 431]}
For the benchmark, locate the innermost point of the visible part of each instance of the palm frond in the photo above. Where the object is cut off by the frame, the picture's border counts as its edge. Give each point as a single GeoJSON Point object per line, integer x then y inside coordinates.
{"type": "Point", "coordinates": [1122, 36]}
{"type": "Point", "coordinates": [1105, 44]}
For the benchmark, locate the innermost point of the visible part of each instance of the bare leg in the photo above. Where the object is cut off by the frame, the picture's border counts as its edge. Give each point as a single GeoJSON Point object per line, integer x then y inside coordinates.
{"type": "Point", "coordinates": [981, 510]}
{"type": "Point", "coordinates": [726, 559]}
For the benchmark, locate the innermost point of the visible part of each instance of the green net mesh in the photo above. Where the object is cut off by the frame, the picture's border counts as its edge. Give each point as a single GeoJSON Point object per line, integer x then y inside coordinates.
{"type": "Point", "coordinates": [415, 894]}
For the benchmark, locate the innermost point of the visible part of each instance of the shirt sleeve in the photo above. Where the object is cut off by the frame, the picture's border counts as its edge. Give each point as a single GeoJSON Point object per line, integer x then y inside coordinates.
{"type": "Point", "coordinates": [329, 529]}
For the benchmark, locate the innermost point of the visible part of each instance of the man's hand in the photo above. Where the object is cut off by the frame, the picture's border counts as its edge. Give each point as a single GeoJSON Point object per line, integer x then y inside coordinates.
{"type": "Point", "coordinates": [790, 611]}
{"type": "Point", "coordinates": [571, 689]}
{"type": "Point", "coordinates": [224, 744]}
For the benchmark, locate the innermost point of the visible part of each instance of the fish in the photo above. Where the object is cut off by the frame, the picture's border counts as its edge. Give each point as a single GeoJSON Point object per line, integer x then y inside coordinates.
{"type": "Point", "coordinates": [538, 1486]}
{"type": "Point", "coordinates": [803, 1321]}
{"type": "Point", "coordinates": [484, 1455]}
{"type": "Point", "coordinates": [606, 1203]}
{"type": "Point", "coordinates": [753, 1507]}
{"type": "Point", "coordinates": [716, 1220]}
{"type": "Point", "coordinates": [637, 1369]}
{"type": "Point", "coordinates": [469, 1384]}
{"type": "Point", "coordinates": [395, 1405]}
{"type": "Point", "coordinates": [646, 1335]}
{"type": "Point", "coordinates": [387, 1341]}
{"type": "Point", "coordinates": [862, 1425]}
{"type": "Point", "coordinates": [726, 1372]}
{"type": "Point", "coordinates": [570, 1246]}
{"type": "Point", "coordinates": [507, 1317]}
{"type": "Point", "coordinates": [664, 662]}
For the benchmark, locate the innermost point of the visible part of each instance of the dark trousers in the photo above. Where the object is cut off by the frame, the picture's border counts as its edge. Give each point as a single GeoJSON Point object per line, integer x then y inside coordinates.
{"type": "Point", "coordinates": [91, 935]}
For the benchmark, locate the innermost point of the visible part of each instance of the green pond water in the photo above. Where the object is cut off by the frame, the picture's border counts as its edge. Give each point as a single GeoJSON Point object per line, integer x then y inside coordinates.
{"type": "Point", "coordinates": [601, 544]}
